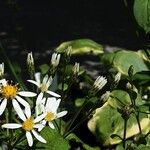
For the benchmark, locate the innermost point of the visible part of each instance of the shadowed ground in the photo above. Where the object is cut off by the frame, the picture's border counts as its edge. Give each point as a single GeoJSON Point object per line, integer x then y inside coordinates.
{"type": "Point", "coordinates": [40, 26]}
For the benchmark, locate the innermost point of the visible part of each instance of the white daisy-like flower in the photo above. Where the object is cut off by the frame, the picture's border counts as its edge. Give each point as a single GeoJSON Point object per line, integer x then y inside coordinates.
{"type": "Point", "coordinates": [50, 110]}
{"type": "Point", "coordinates": [44, 84]}
{"type": "Point", "coordinates": [29, 124]}
{"type": "Point", "coordinates": [10, 92]}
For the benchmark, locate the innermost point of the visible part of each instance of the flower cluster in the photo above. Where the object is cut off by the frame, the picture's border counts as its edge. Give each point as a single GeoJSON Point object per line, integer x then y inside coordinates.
{"type": "Point", "coordinates": [46, 107]}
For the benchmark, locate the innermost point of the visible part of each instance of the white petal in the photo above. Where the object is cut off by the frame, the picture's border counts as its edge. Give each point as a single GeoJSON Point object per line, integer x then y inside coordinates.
{"type": "Point", "coordinates": [43, 122]}
{"type": "Point", "coordinates": [39, 129]}
{"type": "Point", "coordinates": [49, 81]}
{"type": "Point", "coordinates": [45, 79]}
{"type": "Point", "coordinates": [43, 125]}
{"type": "Point", "coordinates": [56, 106]}
{"type": "Point", "coordinates": [28, 112]}
{"type": "Point", "coordinates": [29, 138]}
{"type": "Point", "coordinates": [39, 118]}
{"type": "Point", "coordinates": [40, 108]}
{"type": "Point", "coordinates": [51, 101]}
{"type": "Point", "coordinates": [34, 82]}
{"type": "Point", "coordinates": [53, 93]}
{"type": "Point", "coordinates": [61, 114]}
{"type": "Point", "coordinates": [18, 110]}
{"type": "Point", "coordinates": [3, 82]}
{"type": "Point", "coordinates": [39, 98]}
{"type": "Point", "coordinates": [41, 139]}
{"type": "Point", "coordinates": [22, 101]}
{"type": "Point", "coordinates": [27, 94]}
{"type": "Point", "coordinates": [39, 125]}
{"type": "Point", "coordinates": [44, 101]}
{"type": "Point", "coordinates": [3, 106]}
{"type": "Point", "coordinates": [38, 77]}
{"type": "Point", "coordinates": [51, 125]}
{"type": "Point", "coordinates": [11, 125]}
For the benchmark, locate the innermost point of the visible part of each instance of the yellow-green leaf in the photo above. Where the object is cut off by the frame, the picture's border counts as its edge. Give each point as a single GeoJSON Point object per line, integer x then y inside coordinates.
{"type": "Point", "coordinates": [81, 46]}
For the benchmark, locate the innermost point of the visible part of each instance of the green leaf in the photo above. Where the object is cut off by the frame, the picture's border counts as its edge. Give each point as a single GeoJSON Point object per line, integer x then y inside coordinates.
{"type": "Point", "coordinates": [44, 68]}
{"type": "Point", "coordinates": [142, 13]}
{"type": "Point", "coordinates": [54, 140]}
{"type": "Point", "coordinates": [122, 60]}
{"type": "Point", "coordinates": [81, 46]}
{"type": "Point", "coordinates": [65, 87]}
{"type": "Point", "coordinates": [143, 147]}
{"type": "Point", "coordinates": [107, 121]}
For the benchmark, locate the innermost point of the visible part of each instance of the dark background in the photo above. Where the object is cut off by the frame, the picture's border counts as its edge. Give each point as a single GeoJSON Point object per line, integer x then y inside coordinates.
{"type": "Point", "coordinates": [40, 26]}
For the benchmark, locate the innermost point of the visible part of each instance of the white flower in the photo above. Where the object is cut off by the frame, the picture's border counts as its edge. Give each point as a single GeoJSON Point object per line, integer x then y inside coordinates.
{"type": "Point", "coordinates": [40, 104]}
{"type": "Point", "coordinates": [8, 92]}
{"type": "Point", "coordinates": [1, 69]}
{"type": "Point", "coordinates": [44, 84]}
{"type": "Point", "coordinates": [28, 124]}
{"type": "Point", "coordinates": [51, 108]}
{"type": "Point", "coordinates": [100, 82]}
{"type": "Point", "coordinates": [55, 59]}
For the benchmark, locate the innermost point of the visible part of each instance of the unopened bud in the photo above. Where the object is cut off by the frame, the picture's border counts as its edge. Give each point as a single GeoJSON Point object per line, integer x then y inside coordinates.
{"type": "Point", "coordinates": [1, 70]}
{"type": "Point", "coordinates": [117, 77]}
{"type": "Point", "coordinates": [30, 60]}
{"type": "Point", "coordinates": [99, 83]}
{"type": "Point", "coordinates": [76, 68]}
{"type": "Point", "coordinates": [30, 65]}
{"type": "Point", "coordinates": [55, 59]}
{"type": "Point", "coordinates": [105, 96]}
{"type": "Point", "coordinates": [128, 86]}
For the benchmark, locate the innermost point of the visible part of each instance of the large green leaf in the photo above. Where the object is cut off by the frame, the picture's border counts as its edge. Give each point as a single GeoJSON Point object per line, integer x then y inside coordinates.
{"type": "Point", "coordinates": [107, 121]}
{"type": "Point", "coordinates": [81, 46]}
{"type": "Point", "coordinates": [122, 60]}
{"type": "Point", "coordinates": [142, 13]}
{"type": "Point", "coordinates": [54, 140]}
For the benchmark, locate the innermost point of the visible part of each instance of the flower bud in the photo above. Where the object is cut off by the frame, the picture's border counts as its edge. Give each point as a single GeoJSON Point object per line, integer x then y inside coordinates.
{"type": "Point", "coordinates": [117, 77]}
{"type": "Point", "coordinates": [30, 60]}
{"type": "Point", "coordinates": [30, 65]}
{"type": "Point", "coordinates": [76, 68]}
{"type": "Point", "coordinates": [99, 83]}
{"type": "Point", "coordinates": [1, 70]}
{"type": "Point", "coordinates": [105, 96]}
{"type": "Point", "coordinates": [55, 59]}
{"type": "Point", "coordinates": [128, 86]}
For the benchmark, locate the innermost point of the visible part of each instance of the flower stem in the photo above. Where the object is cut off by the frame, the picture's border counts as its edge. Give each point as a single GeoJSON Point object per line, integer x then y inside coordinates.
{"type": "Point", "coordinates": [124, 134]}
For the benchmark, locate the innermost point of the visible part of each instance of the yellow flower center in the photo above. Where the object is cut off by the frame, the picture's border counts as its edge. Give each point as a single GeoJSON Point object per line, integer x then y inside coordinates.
{"type": "Point", "coordinates": [9, 91]}
{"type": "Point", "coordinates": [43, 88]}
{"type": "Point", "coordinates": [28, 124]}
{"type": "Point", "coordinates": [49, 117]}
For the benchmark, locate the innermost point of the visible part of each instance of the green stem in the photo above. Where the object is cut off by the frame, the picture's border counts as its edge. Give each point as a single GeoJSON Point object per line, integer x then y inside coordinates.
{"type": "Point", "coordinates": [17, 140]}
{"type": "Point", "coordinates": [124, 133]}
{"type": "Point", "coordinates": [138, 121]}
{"type": "Point", "coordinates": [75, 117]}
{"type": "Point", "coordinates": [84, 119]}
{"type": "Point", "coordinates": [10, 120]}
